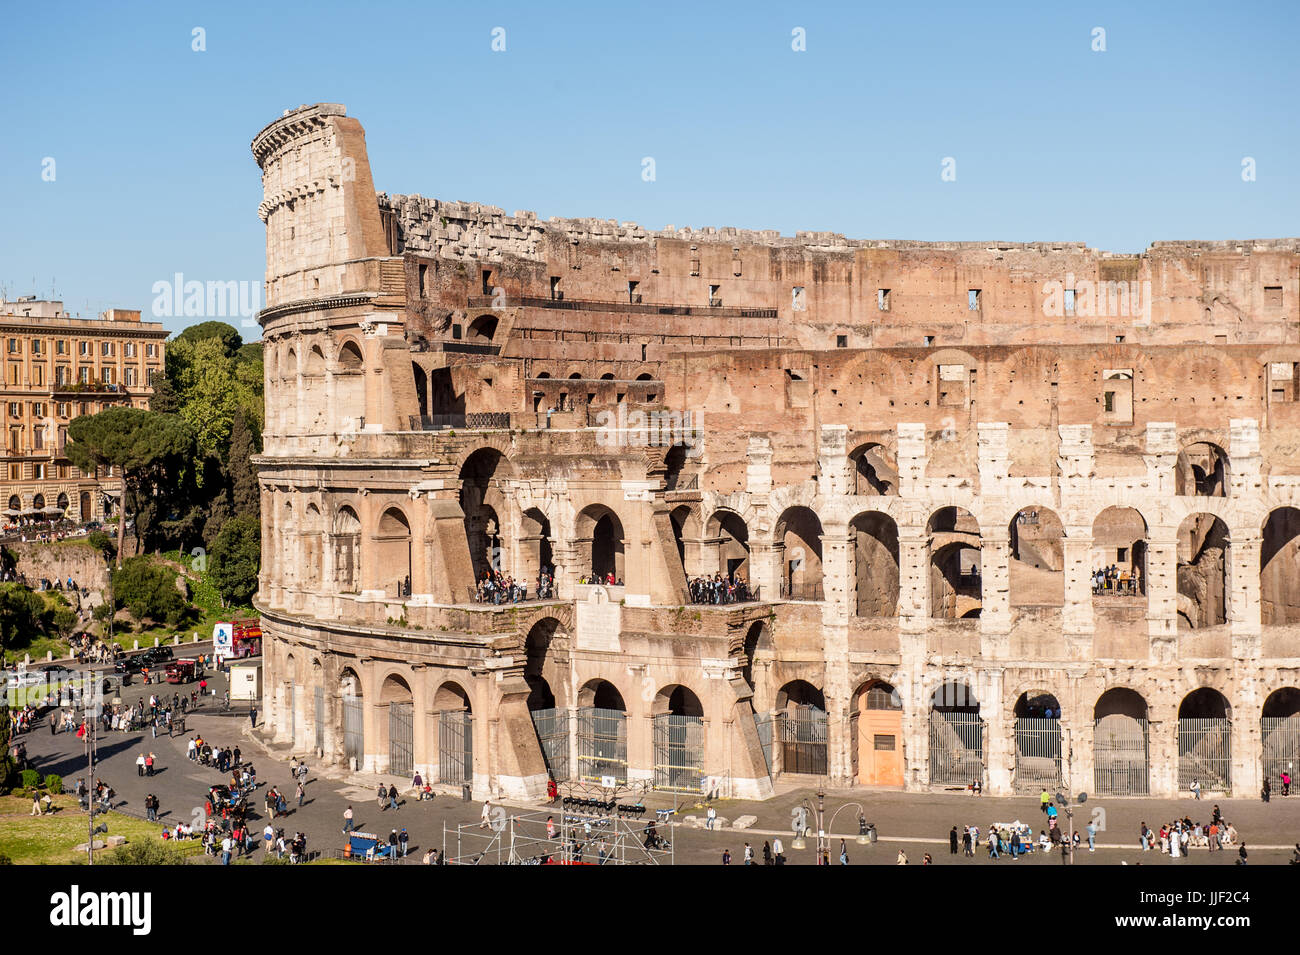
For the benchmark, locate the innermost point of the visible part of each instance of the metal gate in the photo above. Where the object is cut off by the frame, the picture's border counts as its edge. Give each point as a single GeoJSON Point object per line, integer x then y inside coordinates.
{"type": "Point", "coordinates": [1120, 756]}
{"type": "Point", "coordinates": [320, 718]}
{"type": "Point", "coordinates": [401, 739]}
{"type": "Point", "coordinates": [956, 748]}
{"type": "Point", "coordinates": [1205, 753]}
{"type": "Point", "coordinates": [802, 731]}
{"type": "Point", "coordinates": [679, 752]}
{"type": "Point", "coordinates": [1038, 754]}
{"type": "Point", "coordinates": [763, 723]}
{"type": "Point", "coordinates": [354, 741]}
{"type": "Point", "coordinates": [1280, 752]}
{"type": "Point", "coordinates": [455, 747]}
{"type": "Point", "coordinates": [552, 727]}
{"type": "Point", "coordinates": [602, 744]}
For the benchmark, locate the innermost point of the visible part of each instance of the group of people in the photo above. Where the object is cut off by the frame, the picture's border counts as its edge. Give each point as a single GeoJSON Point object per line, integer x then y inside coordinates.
{"type": "Point", "coordinates": [608, 580]}
{"type": "Point", "coordinates": [498, 588]}
{"type": "Point", "coordinates": [1175, 838]}
{"type": "Point", "coordinates": [731, 589]}
{"type": "Point", "coordinates": [773, 854]}
{"type": "Point", "coordinates": [1114, 581]}
{"type": "Point", "coordinates": [1267, 792]}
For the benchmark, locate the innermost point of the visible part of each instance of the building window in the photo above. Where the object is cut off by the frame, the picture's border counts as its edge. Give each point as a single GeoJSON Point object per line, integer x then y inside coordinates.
{"type": "Point", "coordinates": [106, 349]}
{"type": "Point", "coordinates": [151, 350]}
{"type": "Point", "coordinates": [61, 375]}
{"type": "Point", "coordinates": [128, 349]}
{"type": "Point", "coordinates": [973, 299]}
{"type": "Point", "coordinates": [882, 299]}
{"type": "Point", "coordinates": [36, 346]}
{"type": "Point", "coordinates": [38, 375]}
{"type": "Point", "coordinates": [929, 340]}
{"type": "Point", "coordinates": [13, 346]}
{"type": "Point", "coordinates": [798, 301]}
{"type": "Point", "coordinates": [633, 296]}
{"type": "Point", "coordinates": [83, 348]}
{"type": "Point", "coordinates": [1069, 301]}
{"type": "Point", "coordinates": [714, 298]}
{"type": "Point", "coordinates": [841, 341]}
{"type": "Point", "coordinates": [456, 332]}
{"type": "Point", "coordinates": [128, 376]}
{"type": "Point", "coordinates": [38, 409]}
{"type": "Point", "coordinates": [108, 374]}
{"type": "Point", "coordinates": [83, 375]}
{"type": "Point", "coordinates": [15, 409]}
{"type": "Point", "coordinates": [15, 374]}
{"type": "Point", "coordinates": [15, 472]}
{"type": "Point", "coordinates": [60, 347]}
{"type": "Point", "coordinates": [1273, 296]}
{"type": "Point", "coordinates": [38, 472]}
{"type": "Point", "coordinates": [556, 294]}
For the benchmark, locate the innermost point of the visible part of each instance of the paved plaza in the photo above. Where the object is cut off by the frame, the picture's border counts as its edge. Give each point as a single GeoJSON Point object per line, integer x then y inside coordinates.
{"type": "Point", "coordinates": [916, 823]}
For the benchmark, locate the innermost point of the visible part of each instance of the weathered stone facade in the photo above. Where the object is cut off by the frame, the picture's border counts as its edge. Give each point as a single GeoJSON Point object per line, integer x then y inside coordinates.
{"type": "Point", "coordinates": [917, 455]}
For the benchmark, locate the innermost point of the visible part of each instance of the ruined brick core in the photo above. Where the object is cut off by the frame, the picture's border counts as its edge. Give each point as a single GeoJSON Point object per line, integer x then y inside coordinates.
{"type": "Point", "coordinates": [916, 456]}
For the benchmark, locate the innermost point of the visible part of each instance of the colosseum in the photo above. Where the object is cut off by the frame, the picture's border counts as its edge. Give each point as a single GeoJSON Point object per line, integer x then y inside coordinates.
{"type": "Point", "coordinates": [713, 509]}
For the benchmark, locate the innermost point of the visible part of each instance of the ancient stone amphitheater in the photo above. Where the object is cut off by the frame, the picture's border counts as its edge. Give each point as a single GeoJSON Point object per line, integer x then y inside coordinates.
{"type": "Point", "coordinates": [909, 459]}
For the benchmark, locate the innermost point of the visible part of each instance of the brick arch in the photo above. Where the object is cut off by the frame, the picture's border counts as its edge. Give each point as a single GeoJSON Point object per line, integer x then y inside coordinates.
{"type": "Point", "coordinates": [496, 441]}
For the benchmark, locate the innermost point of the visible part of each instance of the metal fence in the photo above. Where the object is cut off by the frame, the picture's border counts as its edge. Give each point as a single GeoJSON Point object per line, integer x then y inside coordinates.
{"type": "Point", "coordinates": [956, 748]}
{"type": "Point", "coordinates": [320, 718]}
{"type": "Point", "coordinates": [455, 746]}
{"type": "Point", "coordinates": [602, 744]}
{"type": "Point", "coordinates": [763, 723]}
{"type": "Point", "coordinates": [1280, 752]}
{"type": "Point", "coordinates": [401, 739]}
{"type": "Point", "coordinates": [1038, 754]}
{"type": "Point", "coordinates": [679, 753]}
{"type": "Point", "coordinates": [1121, 756]}
{"type": "Point", "coordinates": [354, 743]}
{"type": "Point", "coordinates": [552, 727]}
{"type": "Point", "coordinates": [802, 731]}
{"type": "Point", "coordinates": [1205, 753]}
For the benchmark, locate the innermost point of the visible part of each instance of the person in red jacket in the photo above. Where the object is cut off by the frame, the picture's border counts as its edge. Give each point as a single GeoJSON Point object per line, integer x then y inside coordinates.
{"type": "Point", "coordinates": [552, 791]}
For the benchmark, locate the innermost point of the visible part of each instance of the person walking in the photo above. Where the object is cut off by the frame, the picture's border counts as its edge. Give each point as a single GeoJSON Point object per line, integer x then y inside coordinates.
{"type": "Point", "coordinates": [749, 854]}
{"type": "Point", "coordinates": [392, 796]}
{"type": "Point", "coordinates": [967, 848]}
{"type": "Point", "coordinates": [711, 818]}
{"type": "Point", "coordinates": [403, 840]}
{"type": "Point", "coordinates": [486, 815]}
{"type": "Point", "coordinates": [382, 796]}
{"type": "Point", "coordinates": [347, 819]}
{"type": "Point", "coordinates": [1196, 789]}
{"type": "Point", "coordinates": [301, 794]}
{"type": "Point", "coordinates": [767, 853]}
{"type": "Point", "coordinates": [952, 841]}
{"type": "Point", "coordinates": [1092, 836]}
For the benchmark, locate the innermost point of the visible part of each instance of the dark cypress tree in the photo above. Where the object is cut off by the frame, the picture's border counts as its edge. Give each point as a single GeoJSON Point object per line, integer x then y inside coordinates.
{"type": "Point", "coordinates": [245, 492]}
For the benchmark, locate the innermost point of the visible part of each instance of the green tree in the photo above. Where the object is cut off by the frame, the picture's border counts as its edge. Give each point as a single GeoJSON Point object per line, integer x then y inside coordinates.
{"type": "Point", "coordinates": [20, 614]}
{"type": "Point", "coordinates": [245, 489]}
{"type": "Point", "coordinates": [149, 591]}
{"type": "Point", "coordinates": [227, 334]}
{"type": "Point", "coordinates": [144, 445]}
{"type": "Point", "coordinates": [164, 398]}
{"type": "Point", "coordinates": [208, 389]}
{"type": "Point", "coordinates": [235, 559]}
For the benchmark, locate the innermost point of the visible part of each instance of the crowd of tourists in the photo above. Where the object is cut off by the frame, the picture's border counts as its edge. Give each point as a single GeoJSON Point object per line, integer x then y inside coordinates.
{"type": "Point", "coordinates": [608, 580]}
{"type": "Point", "coordinates": [498, 588]}
{"type": "Point", "coordinates": [1175, 838]}
{"type": "Point", "coordinates": [1115, 582]}
{"type": "Point", "coordinates": [718, 589]}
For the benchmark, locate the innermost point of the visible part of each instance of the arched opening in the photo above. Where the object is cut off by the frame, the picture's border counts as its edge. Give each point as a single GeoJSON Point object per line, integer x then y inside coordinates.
{"type": "Point", "coordinates": [84, 505]}
{"type": "Point", "coordinates": [312, 543]}
{"type": "Point", "coordinates": [1119, 553]}
{"type": "Point", "coordinates": [956, 736]}
{"type": "Point", "coordinates": [1120, 750]}
{"type": "Point", "coordinates": [16, 504]}
{"type": "Point", "coordinates": [315, 400]}
{"type": "Point", "coordinates": [758, 645]}
{"type": "Point", "coordinates": [802, 728]}
{"type": "Point", "coordinates": [421, 389]}
{"type": "Point", "coordinates": [347, 550]}
{"type": "Point", "coordinates": [535, 550]}
{"type": "Point", "coordinates": [393, 553]}
{"type": "Point", "coordinates": [397, 731]}
{"type": "Point", "coordinates": [1280, 735]}
{"type": "Point", "coordinates": [1205, 741]}
{"type": "Point", "coordinates": [602, 733]}
{"type": "Point", "coordinates": [480, 488]}
{"type": "Point", "coordinates": [1204, 552]}
{"type": "Point", "coordinates": [1038, 742]}
{"type": "Point", "coordinates": [38, 502]}
{"type": "Point", "coordinates": [455, 721]}
{"type": "Point", "coordinates": [354, 739]}
{"type": "Point", "coordinates": [1202, 470]}
{"type": "Point", "coordinates": [877, 735]}
{"type": "Point", "coordinates": [678, 740]}
{"type": "Point", "coordinates": [350, 388]}
{"type": "Point", "coordinates": [798, 538]}
{"type": "Point", "coordinates": [482, 330]}
{"type": "Point", "coordinates": [645, 376]}
{"type": "Point", "coordinates": [875, 551]}
{"type": "Point", "coordinates": [1037, 567]}
{"type": "Point", "coordinates": [956, 583]}
{"type": "Point", "coordinates": [600, 544]}
{"type": "Point", "coordinates": [62, 503]}
{"type": "Point", "coordinates": [723, 561]}
{"type": "Point", "coordinates": [1279, 568]}
{"type": "Point", "coordinates": [550, 722]}
{"type": "Point", "coordinates": [873, 470]}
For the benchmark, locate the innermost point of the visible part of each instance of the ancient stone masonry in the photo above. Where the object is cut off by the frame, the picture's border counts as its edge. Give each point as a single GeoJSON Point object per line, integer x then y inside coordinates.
{"type": "Point", "coordinates": [1022, 513]}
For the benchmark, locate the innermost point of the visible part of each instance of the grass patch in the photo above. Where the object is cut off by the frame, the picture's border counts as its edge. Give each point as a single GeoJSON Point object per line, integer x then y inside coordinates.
{"type": "Point", "coordinates": [52, 839]}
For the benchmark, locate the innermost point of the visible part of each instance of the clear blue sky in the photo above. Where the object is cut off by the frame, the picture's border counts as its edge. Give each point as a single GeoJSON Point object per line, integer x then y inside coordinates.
{"type": "Point", "coordinates": [1052, 140]}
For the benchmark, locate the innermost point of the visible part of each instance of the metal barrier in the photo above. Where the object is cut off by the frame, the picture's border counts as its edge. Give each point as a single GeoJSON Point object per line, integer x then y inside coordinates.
{"type": "Point", "coordinates": [1280, 749]}
{"type": "Point", "coordinates": [1121, 756]}
{"type": "Point", "coordinates": [1038, 754]}
{"type": "Point", "coordinates": [956, 747]}
{"type": "Point", "coordinates": [552, 727]}
{"type": "Point", "coordinates": [811, 591]}
{"type": "Point", "coordinates": [455, 747]}
{"type": "Point", "coordinates": [803, 734]}
{"type": "Point", "coordinates": [354, 746]}
{"type": "Point", "coordinates": [1205, 753]}
{"type": "Point", "coordinates": [602, 744]}
{"type": "Point", "coordinates": [401, 738]}
{"type": "Point", "coordinates": [679, 753]}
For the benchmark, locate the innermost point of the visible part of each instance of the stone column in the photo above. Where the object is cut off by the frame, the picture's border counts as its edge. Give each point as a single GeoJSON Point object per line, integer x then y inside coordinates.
{"type": "Point", "coordinates": [1162, 595]}
{"type": "Point", "coordinates": [999, 757]}
{"type": "Point", "coordinates": [1244, 603]}
{"type": "Point", "coordinates": [995, 582]}
{"type": "Point", "coordinates": [1076, 616]}
{"type": "Point", "coordinates": [765, 560]}
{"type": "Point", "coordinates": [837, 559]}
